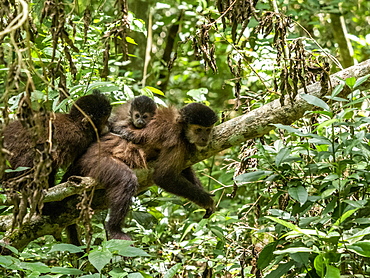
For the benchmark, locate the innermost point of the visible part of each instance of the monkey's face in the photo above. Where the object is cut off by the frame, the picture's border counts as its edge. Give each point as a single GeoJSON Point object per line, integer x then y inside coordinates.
{"type": "Point", "coordinates": [140, 120]}
{"type": "Point", "coordinates": [198, 135]}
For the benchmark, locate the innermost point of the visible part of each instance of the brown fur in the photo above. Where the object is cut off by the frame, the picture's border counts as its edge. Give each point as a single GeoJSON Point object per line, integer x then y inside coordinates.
{"type": "Point", "coordinates": [163, 141]}
{"type": "Point", "coordinates": [71, 135]}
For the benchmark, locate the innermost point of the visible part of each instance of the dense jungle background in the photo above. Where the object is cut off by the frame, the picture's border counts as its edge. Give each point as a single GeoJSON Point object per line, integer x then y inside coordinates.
{"type": "Point", "coordinates": [293, 203]}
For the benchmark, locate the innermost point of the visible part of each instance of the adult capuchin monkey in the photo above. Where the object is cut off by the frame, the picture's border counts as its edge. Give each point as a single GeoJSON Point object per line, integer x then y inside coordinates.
{"type": "Point", "coordinates": [128, 117]}
{"type": "Point", "coordinates": [53, 141]}
{"type": "Point", "coordinates": [168, 141]}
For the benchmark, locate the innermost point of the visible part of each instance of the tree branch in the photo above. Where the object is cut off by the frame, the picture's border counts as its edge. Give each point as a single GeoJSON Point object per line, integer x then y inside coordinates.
{"type": "Point", "coordinates": [259, 121]}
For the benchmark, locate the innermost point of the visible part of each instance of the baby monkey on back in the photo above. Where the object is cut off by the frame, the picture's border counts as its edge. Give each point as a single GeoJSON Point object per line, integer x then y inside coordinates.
{"type": "Point", "coordinates": [134, 114]}
{"type": "Point", "coordinates": [169, 140]}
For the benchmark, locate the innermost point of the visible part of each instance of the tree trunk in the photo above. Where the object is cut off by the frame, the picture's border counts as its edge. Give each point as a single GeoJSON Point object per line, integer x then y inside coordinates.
{"type": "Point", "coordinates": [340, 35]}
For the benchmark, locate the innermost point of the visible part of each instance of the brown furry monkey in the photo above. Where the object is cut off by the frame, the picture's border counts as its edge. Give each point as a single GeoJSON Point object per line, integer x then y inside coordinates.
{"type": "Point", "coordinates": [168, 141]}
{"type": "Point", "coordinates": [70, 134]}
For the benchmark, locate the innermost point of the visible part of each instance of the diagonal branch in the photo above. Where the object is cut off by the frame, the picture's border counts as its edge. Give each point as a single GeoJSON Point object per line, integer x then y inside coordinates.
{"type": "Point", "coordinates": [259, 121]}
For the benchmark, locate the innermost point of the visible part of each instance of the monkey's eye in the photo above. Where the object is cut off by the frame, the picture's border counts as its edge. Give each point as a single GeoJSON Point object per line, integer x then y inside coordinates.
{"type": "Point", "coordinates": [145, 116]}
{"type": "Point", "coordinates": [137, 115]}
{"type": "Point", "coordinates": [198, 130]}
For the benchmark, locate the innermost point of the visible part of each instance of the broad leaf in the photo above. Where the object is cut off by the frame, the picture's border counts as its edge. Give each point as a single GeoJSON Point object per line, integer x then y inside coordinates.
{"type": "Point", "coordinates": [361, 248]}
{"type": "Point", "coordinates": [155, 90]}
{"type": "Point", "coordinates": [173, 270]}
{"type": "Point", "coordinates": [281, 156]}
{"type": "Point", "coordinates": [360, 81]}
{"type": "Point", "coordinates": [266, 255]}
{"type": "Point", "coordinates": [293, 250]}
{"type": "Point", "coordinates": [100, 258]}
{"type": "Point", "coordinates": [298, 193]}
{"type": "Point", "coordinates": [332, 272]}
{"type": "Point", "coordinates": [315, 101]}
{"type": "Point", "coordinates": [132, 252]}
{"type": "Point", "coordinates": [285, 223]}
{"type": "Point", "coordinates": [281, 270]}
{"type": "Point", "coordinates": [252, 176]}
{"type": "Point", "coordinates": [63, 247]}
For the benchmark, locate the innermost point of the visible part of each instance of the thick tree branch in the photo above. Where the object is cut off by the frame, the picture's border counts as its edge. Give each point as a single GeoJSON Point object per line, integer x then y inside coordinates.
{"type": "Point", "coordinates": [231, 133]}
{"type": "Point", "coordinates": [259, 121]}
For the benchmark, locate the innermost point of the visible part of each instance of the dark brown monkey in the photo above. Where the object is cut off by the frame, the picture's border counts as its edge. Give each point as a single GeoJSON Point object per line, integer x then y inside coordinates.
{"type": "Point", "coordinates": [71, 134]}
{"type": "Point", "coordinates": [168, 140]}
{"type": "Point", "coordinates": [135, 114]}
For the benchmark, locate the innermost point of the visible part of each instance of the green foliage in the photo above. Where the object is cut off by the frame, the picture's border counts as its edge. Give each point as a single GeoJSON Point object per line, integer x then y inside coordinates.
{"type": "Point", "coordinates": [301, 210]}
{"type": "Point", "coordinates": [319, 207]}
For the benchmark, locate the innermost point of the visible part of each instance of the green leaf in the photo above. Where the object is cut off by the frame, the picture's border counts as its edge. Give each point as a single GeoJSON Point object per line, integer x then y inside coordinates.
{"type": "Point", "coordinates": [9, 262]}
{"type": "Point", "coordinates": [360, 81]}
{"type": "Point", "coordinates": [252, 176]}
{"type": "Point", "coordinates": [338, 89]}
{"type": "Point", "coordinates": [19, 169]}
{"type": "Point", "coordinates": [155, 90]}
{"type": "Point", "coordinates": [37, 266]}
{"type": "Point", "coordinates": [115, 245]}
{"type": "Point", "coordinates": [351, 81]}
{"type": "Point", "coordinates": [135, 275]}
{"type": "Point", "coordinates": [131, 40]}
{"type": "Point", "coordinates": [332, 272]}
{"type": "Point", "coordinates": [11, 248]}
{"type": "Point", "coordinates": [217, 231]}
{"type": "Point", "coordinates": [187, 230]}
{"type": "Point", "coordinates": [131, 251]}
{"type": "Point", "coordinates": [285, 223]}
{"type": "Point", "coordinates": [173, 270]}
{"type": "Point", "coordinates": [95, 275]}
{"type": "Point", "coordinates": [66, 270]}
{"type": "Point", "coordinates": [327, 193]}
{"type": "Point", "coordinates": [326, 113]}
{"type": "Point", "coordinates": [128, 91]}
{"type": "Point", "coordinates": [298, 193]}
{"type": "Point", "coordinates": [281, 270]}
{"type": "Point", "coordinates": [301, 257]}
{"type": "Point", "coordinates": [361, 248]}
{"type": "Point", "coordinates": [343, 218]}
{"type": "Point", "coordinates": [327, 123]}
{"type": "Point", "coordinates": [100, 258]}
{"type": "Point", "coordinates": [359, 235]}
{"type": "Point", "coordinates": [281, 156]}
{"type": "Point", "coordinates": [198, 94]}
{"type": "Point", "coordinates": [293, 250]}
{"type": "Point", "coordinates": [138, 25]}
{"type": "Point", "coordinates": [266, 255]}
{"type": "Point", "coordinates": [63, 247]}
{"type": "Point", "coordinates": [289, 129]}
{"type": "Point", "coordinates": [315, 101]}
{"type": "Point", "coordinates": [307, 232]}
{"type": "Point", "coordinates": [319, 265]}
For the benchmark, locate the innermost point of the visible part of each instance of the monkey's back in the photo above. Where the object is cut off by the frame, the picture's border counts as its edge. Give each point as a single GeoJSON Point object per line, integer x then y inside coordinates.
{"type": "Point", "coordinates": [109, 147]}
